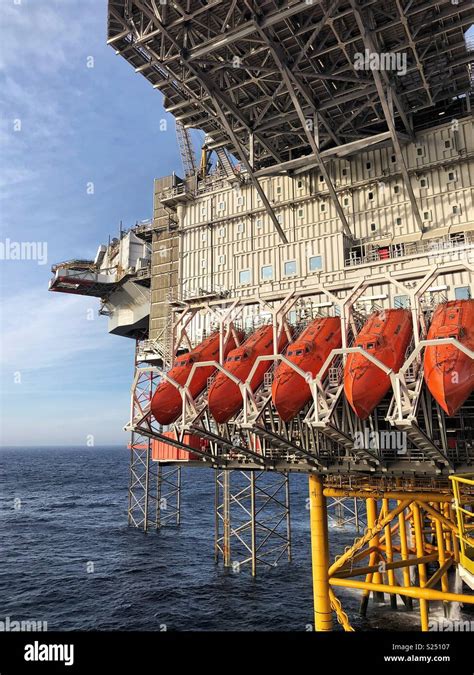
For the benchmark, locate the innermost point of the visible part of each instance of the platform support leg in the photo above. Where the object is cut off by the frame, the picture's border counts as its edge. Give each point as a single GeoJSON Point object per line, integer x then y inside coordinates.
{"type": "Point", "coordinates": [320, 554]}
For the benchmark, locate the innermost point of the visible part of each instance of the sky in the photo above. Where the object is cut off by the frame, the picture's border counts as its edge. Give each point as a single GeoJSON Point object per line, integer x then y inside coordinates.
{"type": "Point", "coordinates": [64, 125]}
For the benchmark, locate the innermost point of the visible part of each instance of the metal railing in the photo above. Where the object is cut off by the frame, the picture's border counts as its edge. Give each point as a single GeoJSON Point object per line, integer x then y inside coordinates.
{"type": "Point", "coordinates": [375, 253]}
{"type": "Point", "coordinates": [465, 519]}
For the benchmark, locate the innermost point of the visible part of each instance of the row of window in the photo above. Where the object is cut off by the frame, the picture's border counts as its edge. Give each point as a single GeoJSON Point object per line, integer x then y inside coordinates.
{"type": "Point", "coordinates": [290, 269]}
{"type": "Point", "coordinates": [460, 293]}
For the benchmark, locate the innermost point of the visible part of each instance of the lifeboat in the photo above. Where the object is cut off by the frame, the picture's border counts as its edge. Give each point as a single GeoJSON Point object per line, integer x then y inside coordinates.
{"type": "Point", "coordinates": [290, 392]}
{"type": "Point", "coordinates": [386, 335]}
{"type": "Point", "coordinates": [225, 398]}
{"type": "Point", "coordinates": [449, 373]}
{"type": "Point", "coordinates": [166, 404]}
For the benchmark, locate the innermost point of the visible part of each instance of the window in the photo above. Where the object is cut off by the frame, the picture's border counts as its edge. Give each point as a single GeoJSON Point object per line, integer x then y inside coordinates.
{"type": "Point", "coordinates": [323, 206]}
{"type": "Point", "coordinates": [427, 215]}
{"type": "Point", "coordinates": [279, 190]}
{"type": "Point", "coordinates": [259, 223]}
{"type": "Point", "coordinates": [346, 201]}
{"type": "Point", "coordinates": [290, 268]}
{"type": "Point", "coordinates": [402, 302]}
{"type": "Point", "coordinates": [447, 144]}
{"type": "Point", "coordinates": [204, 236]}
{"type": "Point", "coordinates": [462, 293]}
{"type": "Point", "coordinates": [222, 232]}
{"type": "Point", "coordinates": [396, 189]}
{"type": "Point", "coordinates": [266, 272]}
{"type": "Point", "coordinates": [203, 263]}
{"type": "Point", "coordinates": [419, 152]}
{"type": "Point", "coordinates": [371, 195]}
{"type": "Point", "coordinates": [300, 184]}
{"type": "Point", "coordinates": [221, 259]}
{"type": "Point", "coordinates": [300, 213]}
{"type": "Point", "coordinates": [221, 206]}
{"type": "Point", "coordinates": [393, 159]}
{"type": "Point", "coordinates": [398, 221]}
{"type": "Point", "coordinates": [244, 277]}
{"type": "Point", "coordinates": [344, 172]}
{"type": "Point", "coordinates": [451, 176]}
{"type": "Point", "coordinates": [373, 227]}
{"type": "Point", "coordinates": [423, 183]}
{"type": "Point", "coordinates": [280, 218]}
{"type": "Point", "coordinates": [315, 263]}
{"type": "Point", "coordinates": [240, 228]}
{"type": "Point", "coordinates": [456, 210]}
{"type": "Point", "coordinates": [240, 201]}
{"type": "Point", "coordinates": [368, 166]}
{"type": "Point", "coordinates": [321, 179]}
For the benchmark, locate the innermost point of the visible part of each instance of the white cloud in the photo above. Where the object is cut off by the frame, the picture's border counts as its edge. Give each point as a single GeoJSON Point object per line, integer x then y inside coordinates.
{"type": "Point", "coordinates": [42, 330]}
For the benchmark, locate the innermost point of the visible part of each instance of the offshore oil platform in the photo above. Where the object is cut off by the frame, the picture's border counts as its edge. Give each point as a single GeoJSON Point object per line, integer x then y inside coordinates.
{"type": "Point", "coordinates": [301, 299]}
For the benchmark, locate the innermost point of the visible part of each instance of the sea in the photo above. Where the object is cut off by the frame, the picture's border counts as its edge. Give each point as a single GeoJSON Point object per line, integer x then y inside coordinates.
{"type": "Point", "coordinates": [69, 558]}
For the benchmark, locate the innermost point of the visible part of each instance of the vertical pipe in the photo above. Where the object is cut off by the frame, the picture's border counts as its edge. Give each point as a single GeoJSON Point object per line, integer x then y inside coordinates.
{"type": "Point", "coordinates": [158, 495]}
{"type": "Point", "coordinates": [402, 529]}
{"type": "Point", "coordinates": [389, 551]}
{"type": "Point", "coordinates": [288, 514]}
{"type": "Point", "coordinates": [178, 497]}
{"type": "Point", "coordinates": [216, 516]}
{"type": "Point", "coordinates": [441, 553]}
{"type": "Point", "coordinates": [147, 483]}
{"type": "Point", "coordinates": [226, 498]}
{"type": "Point", "coordinates": [253, 524]}
{"type": "Point", "coordinates": [356, 512]}
{"type": "Point", "coordinates": [371, 506]}
{"type": "Point", "coordinates": [421, 567]}
{"type": "Point", "coordinates": [319, 554]}
{"type": "Point", "coordinates": [455, 540]}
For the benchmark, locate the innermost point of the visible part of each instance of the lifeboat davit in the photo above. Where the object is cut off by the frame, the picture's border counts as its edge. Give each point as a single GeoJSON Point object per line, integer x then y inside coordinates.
{"type": "Point", "coordinates": [225, 398]}
{"type": "Point", "coordinates": [449, 373]}
{"type": "Point", "coordinates": [290, 392]}
{"type": "Point", "coordinates": [386, 335]}
{"type": "Point", "coordinates": [166, 404]}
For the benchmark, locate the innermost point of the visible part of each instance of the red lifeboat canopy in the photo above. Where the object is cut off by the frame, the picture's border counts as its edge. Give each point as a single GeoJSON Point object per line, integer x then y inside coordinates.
{"type": "Point", "coordinates": [290, 392]}
{"type": "Point", "coordinates": [166, 404]}
{"type": "Point", "coordinates": [386, 335]}
{"type": "Point", "coordinates": [225, 399]}
{"type": "Point", "coordinates": [449, 372]}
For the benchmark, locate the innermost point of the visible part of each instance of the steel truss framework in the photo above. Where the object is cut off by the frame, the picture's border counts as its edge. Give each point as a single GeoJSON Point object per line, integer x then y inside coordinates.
{"type": "Point", "coordinates": [326, 436]}
{"type": "Point", "coordinates": [252, 512]}
{"type": "Point", "coordinates": [409, 548]}
{"type": "Point", "coordinates": [275, 81]}
{"type": "Point", "coordinates": [154, 493]}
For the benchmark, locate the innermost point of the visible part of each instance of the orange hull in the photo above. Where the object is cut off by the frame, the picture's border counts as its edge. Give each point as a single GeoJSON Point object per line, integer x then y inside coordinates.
{"type": "Point", "coordinates": [290, 392]}
{"type": "Point", "coordinates": [166, 404]}
{"type": "Point", "coordinates": [225, 399]}
{"type": "Point", "coordinates": [386, 335]}
{"type": "Point", "coordinates": [449, 373]}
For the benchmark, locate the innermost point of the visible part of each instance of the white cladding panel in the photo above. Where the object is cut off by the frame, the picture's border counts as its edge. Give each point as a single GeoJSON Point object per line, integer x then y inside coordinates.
{"type": "Point", "coordinates": [228, 241]}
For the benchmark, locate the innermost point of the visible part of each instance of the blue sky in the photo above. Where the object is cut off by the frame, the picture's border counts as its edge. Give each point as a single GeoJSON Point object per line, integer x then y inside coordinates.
{"type": "Point", "coordinates": [62, 376]}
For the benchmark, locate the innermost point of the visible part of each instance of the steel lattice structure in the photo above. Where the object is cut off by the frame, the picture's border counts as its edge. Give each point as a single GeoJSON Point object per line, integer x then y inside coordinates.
{"type": "Point", "coordinates": [278, 83]}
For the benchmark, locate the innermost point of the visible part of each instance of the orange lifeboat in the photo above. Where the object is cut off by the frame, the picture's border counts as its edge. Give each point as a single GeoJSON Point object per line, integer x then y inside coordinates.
{"type": "Point", "coordinates": [166, 404]}
{"type": "Point", "coordinates": [386, 335]}
{"type": "Point", "coordinates": [449, 373]}
{"type": "Point", "coordinates": [225, 398]}
{"type": "Point", "coordinates": [290, 392]}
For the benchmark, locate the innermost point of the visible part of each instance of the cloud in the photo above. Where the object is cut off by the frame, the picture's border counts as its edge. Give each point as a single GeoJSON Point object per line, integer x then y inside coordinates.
{"type": "Point", "coordinates": [43, 330]}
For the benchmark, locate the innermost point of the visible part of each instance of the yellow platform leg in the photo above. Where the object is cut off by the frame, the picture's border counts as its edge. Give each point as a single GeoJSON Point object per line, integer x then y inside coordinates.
{"type": "Point", "coordinates": [319, 554]}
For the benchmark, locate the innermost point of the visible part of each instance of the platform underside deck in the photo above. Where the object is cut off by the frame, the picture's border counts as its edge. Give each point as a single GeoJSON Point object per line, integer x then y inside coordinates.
{"type": "Point", "coordinates": [240, 70]}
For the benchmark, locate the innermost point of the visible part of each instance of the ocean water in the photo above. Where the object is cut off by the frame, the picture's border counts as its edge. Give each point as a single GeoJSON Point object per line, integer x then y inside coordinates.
{"type": "Point", "coordinates": [64, 508]}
